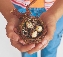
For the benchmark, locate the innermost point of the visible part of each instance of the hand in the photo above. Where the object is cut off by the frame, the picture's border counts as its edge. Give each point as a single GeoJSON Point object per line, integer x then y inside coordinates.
{"type": "Point", "coordinates": [14, 38]}
{"type": "Point", "coordinates": [50, 21]}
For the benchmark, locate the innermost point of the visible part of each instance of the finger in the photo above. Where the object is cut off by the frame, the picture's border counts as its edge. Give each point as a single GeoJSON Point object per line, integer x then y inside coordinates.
{"type": "Point", "coordinates": [22, 48]}
{"type": "Point", "coordinates": [45, 42]}
{"type": "Point", "coordinates": [35, 49]}
{"type": "Point", "coordinates": [13, 36]}
{"type": "Point", "coordinates": [15, 30]}
{"type": "Point", "coordinates": [9, 27]}
{"type": "Point", "coordinates": [21, 41]}
{"type": "Point", "coordinates": [45, 45]}
{"type": "Point", "coordinates": [10, 32]}
{"type": "Point", "coordinates": [38, 46]}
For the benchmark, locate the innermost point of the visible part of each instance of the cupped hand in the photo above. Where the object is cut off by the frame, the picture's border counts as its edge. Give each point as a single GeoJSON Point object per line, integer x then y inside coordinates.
{"type": "Point", "coordinates": [50, 21]}
{"type": "Point", "coordinates": [14, 37]}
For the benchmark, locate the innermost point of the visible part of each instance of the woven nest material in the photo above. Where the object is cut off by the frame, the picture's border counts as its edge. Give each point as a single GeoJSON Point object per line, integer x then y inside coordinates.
{"type": "Point", "coordinates": [28, 39]}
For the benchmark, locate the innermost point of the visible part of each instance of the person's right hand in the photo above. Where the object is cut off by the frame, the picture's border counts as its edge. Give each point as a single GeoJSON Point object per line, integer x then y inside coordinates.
{"type": "Point", "coordinates": [14, 38]}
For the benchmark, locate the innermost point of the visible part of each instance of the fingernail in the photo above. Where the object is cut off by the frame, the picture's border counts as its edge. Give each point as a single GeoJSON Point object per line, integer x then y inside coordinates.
{"type": "Point", "coordinates": [44, 42]}
{"type": "Point", "coordinates": [32, 46]}
{"type": "Point", "coordinates": [40, 46]}
{"type": "Point", "coordinates": [22, 42]}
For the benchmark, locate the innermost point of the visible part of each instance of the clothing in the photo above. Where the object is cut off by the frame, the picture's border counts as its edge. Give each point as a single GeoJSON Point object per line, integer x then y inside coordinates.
{"type": "Point", "coordinates": [38, 4]}
{"type": "Point", "coordinates": [51, 49]}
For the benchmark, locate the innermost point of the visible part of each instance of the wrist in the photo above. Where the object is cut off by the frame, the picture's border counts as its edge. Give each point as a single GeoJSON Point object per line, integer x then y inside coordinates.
{"type": "Point", "coordinates": [57, 9]}
{"type": "Point", "coordinates": [51, 16]}
{"type": "Point", "coordinates": [8, 16]}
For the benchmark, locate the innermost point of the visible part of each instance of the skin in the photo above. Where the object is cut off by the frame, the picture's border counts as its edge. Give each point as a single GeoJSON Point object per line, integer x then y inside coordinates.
{"type": "Point", "coordinates": [50, 18]}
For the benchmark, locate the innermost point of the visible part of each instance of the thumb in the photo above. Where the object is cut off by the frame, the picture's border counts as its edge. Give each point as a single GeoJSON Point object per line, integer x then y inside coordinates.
{"type": "Point", "coordinates": [10, 32]}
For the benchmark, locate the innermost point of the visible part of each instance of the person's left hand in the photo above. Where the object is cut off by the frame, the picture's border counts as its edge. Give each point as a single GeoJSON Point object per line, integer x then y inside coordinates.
{"type": "Point", "coordinates": [50, 21]}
